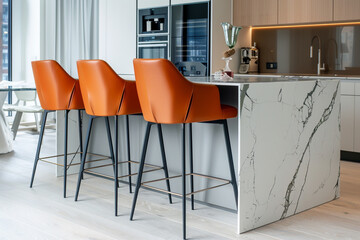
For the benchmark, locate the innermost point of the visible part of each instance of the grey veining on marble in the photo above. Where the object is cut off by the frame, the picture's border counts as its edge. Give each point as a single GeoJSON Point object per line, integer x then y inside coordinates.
{"type": "Point", "coordinates": [290, 149]}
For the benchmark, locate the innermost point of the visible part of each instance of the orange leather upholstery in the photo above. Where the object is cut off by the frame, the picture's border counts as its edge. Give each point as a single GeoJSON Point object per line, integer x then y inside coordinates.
{"type": "Point", "coordinates": [56, 89]}
{"type": "Point", "coordinates": [104, 92]}
{"type": "Point", "coordinates": [167, 97]}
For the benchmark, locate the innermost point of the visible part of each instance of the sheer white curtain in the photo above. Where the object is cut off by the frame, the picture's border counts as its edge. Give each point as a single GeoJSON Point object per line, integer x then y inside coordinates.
{"type": "Point", "coordinates": [71, 31]}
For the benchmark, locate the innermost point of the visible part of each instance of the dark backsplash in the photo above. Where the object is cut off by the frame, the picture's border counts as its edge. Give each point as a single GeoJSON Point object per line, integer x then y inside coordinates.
{"type": "Point", "coordinates": [290, 48]}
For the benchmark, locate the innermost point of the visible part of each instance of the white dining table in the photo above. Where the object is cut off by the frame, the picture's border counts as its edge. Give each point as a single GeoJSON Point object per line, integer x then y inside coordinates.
{"type": "Point", "coordinates": [6, 136]}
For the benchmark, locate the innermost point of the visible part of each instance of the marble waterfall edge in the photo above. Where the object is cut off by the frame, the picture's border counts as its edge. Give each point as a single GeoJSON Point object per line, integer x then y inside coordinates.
{"type": "Point", "coordinates": [290, 149]}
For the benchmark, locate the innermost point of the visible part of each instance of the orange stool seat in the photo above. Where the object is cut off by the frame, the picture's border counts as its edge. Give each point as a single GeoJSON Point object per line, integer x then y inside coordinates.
{"type": "Point", "coordinates": [228, 111]}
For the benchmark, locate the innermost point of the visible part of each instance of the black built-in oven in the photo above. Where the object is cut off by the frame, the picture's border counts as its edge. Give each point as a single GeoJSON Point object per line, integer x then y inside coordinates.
{"type": "Point", "coordinates": [153, 46]}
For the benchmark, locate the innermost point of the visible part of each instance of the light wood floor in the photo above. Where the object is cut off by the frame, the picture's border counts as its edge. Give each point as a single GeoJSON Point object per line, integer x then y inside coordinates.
{"type": "Point", "coordinates": [42, 213]}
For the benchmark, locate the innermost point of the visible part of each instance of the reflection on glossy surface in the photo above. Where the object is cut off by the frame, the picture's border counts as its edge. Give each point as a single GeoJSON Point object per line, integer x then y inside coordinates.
{"type": "Point", "coordinates": [289, 47]}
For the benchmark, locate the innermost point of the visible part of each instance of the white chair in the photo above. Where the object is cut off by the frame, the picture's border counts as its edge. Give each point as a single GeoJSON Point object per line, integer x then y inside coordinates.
{"type": "Point", "coordinates": [25, 97]}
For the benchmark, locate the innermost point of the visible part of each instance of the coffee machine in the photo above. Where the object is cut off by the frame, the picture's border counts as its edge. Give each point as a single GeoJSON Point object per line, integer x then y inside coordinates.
{"type": "Point", "coordinates": [249, 59]}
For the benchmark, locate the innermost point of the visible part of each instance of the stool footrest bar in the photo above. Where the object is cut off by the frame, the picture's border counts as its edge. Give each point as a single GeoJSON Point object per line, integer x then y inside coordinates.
{"type": "Point", "coordinates": [146, 164]}
{"type": "Point", "coordinates": [73, 164]}
{"type": "Point", "coordinates": [111, 177]}
{"type": "Point", "coordinates": [226, 182]}
{"type": "Point", "coordinates": [61, 155]}
{"type": "Point", "coordinates": [188, 174]}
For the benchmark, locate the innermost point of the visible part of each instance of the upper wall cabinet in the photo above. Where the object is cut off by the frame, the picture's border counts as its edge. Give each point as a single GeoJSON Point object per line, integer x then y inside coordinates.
{"type": "Point", "coordinates": [152, 3]}
{"type": "Point", "coordinates": [305, 11]}
{"type": "Point", "coordinates": [255, 12]}
{"type": "Point", "coordinates": [345, 10]}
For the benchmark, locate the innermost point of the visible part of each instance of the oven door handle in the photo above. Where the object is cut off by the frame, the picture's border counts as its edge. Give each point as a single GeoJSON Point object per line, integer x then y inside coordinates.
{"type": "Point", "coordinates": [152, 45]}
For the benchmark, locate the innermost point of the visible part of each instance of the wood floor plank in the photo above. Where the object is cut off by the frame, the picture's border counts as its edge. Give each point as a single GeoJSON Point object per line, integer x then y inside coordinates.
{"type": "Point", "coordinates": [42, 212]}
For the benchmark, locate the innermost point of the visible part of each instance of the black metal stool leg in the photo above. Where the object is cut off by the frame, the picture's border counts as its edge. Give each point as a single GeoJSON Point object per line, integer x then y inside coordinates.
{"type": "Point", "coordinates": [141, 168]}
{"type": "Point", "coordinates": [128, 150]}
{"type": "Point", "coordinates": [80, 136]}
{"type": "Point", "coordinates": [65, 149]}
{"type": "Point", "coordinates": [231, 162]}
{"type": "Point", "coordinates": [183, 181]}
{"type": "Point", "coordinates": [41, 135]}
{"type": "Point", "coordinates": [191, 165]}
{"type": "Point", "coordinates": [116, 163]}
{"type": "Point", "coordinates": [110, 142]}
{"type": "Point", "coordinates": [163, 157]}
{"type": "Point", "coordinates": [81, 171]}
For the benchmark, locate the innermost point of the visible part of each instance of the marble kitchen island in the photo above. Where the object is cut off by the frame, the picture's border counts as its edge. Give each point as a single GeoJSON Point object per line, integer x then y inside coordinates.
{"type": "Point", "coordinates": [285, 141]}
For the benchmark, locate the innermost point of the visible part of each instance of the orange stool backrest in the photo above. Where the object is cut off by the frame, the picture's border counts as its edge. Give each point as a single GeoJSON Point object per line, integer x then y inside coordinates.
{"type": "Point", "coordinates": [104, 92]}
{"type": "Point", "coordinates": [168, 97]}
{"type": "Point", "coordinates": [56, 89]}
{"type": "Point", "coordinates": [164, 94]}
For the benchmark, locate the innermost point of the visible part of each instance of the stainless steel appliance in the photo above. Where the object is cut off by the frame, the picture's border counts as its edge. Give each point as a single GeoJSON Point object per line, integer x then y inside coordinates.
{"type": "Point", "coordinates": [249, 60]}
{"type": "Point", "coordinates": [189, 29]}
{"type": "Point", "coordinates": [153, 33]}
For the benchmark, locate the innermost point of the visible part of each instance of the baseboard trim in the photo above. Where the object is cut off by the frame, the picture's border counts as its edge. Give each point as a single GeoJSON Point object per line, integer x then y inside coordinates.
{"type": "Point", "coordinates": [350, 156]}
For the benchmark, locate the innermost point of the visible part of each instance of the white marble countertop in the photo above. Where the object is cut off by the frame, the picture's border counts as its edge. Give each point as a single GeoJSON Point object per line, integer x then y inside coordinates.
{"type": "Point", "coordinates": [245, 78]}
{"type": "Point", "coordinates": [254, 79]}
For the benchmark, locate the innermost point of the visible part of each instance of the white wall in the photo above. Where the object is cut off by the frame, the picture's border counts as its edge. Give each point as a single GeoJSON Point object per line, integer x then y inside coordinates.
{"type": "Point", "coordinates": [25, 38]}
{"type": "Point", "coordinates": [48, 29]}
{"type": "Point", "coordinates": [25, 42]}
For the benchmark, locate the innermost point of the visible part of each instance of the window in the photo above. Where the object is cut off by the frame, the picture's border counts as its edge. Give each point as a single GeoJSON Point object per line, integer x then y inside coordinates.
{"type": "Point", "coordinates": [5, 42]}
{"type": "Point", "coordinates": [5, 37]}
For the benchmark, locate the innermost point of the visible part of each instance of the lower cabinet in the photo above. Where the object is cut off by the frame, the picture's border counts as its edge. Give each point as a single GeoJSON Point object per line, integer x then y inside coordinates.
{"type": "Point", "coordinates": [348, 122]}
{"type": "Point", "coordinates": [357, 125]}
{"type": "Point", "coordinates": [350, 116]}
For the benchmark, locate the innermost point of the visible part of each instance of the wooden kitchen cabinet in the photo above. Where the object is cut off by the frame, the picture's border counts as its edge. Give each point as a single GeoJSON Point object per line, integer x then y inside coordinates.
{"type": "Point", "coordinates": [255, 12]}
{"type": "Point", "coordinates": [305, 11]}
{"type": "Point", "coordinates": [345, 10]}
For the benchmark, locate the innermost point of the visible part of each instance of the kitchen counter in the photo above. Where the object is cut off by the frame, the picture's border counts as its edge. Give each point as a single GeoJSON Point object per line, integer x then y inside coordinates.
{"type": "Point", "coordinates": [301, 76]}
{"type": "Point", "coordinates": [285, 142]}
{"type": "Point", "coordinates": [241, 79]}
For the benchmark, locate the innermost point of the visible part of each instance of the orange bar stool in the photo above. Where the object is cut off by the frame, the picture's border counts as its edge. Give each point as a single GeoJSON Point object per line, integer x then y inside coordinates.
{"type": "Point", "coordinates": [106, 94]}
{"type": "Point", "coordinates": [57, 91]}
{"type": "Point", "coordinates": [166, 97]}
